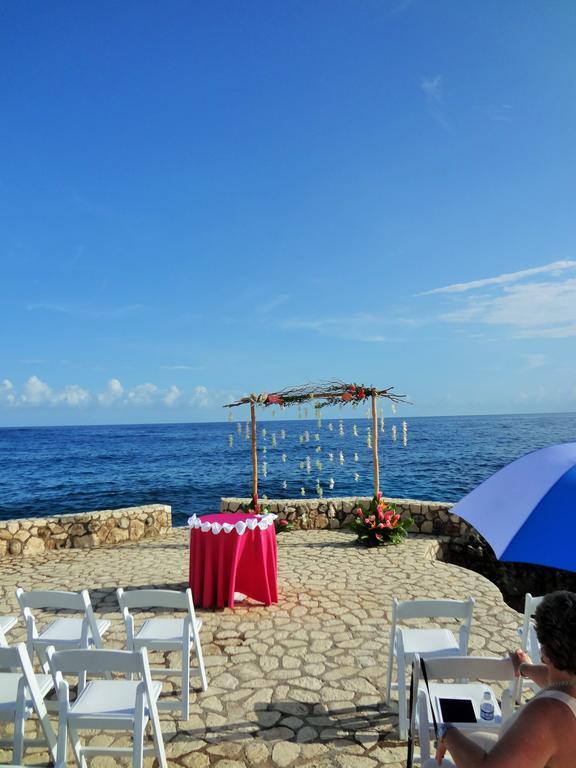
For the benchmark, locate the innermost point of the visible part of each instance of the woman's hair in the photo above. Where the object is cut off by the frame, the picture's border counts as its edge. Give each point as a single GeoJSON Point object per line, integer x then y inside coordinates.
{"type": "Point", "coordinates": [556, 629]}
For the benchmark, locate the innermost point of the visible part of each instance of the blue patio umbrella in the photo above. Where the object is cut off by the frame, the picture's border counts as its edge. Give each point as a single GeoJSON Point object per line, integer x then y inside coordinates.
{"type": "Point", "coordinates": [527, 510]}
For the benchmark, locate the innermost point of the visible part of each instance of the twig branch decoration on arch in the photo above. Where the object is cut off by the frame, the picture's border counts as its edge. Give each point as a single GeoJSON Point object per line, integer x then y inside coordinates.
{"type": "Point", "coordinates": [326, 394]}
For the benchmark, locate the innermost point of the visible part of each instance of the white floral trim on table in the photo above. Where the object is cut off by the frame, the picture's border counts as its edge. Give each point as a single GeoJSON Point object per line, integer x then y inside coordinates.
{"type": "Point", "coordinates": [260, 521]}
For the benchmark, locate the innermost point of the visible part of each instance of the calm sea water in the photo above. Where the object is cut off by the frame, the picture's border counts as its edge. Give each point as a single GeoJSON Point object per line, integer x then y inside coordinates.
{"type": "Point", "coordinates": [55, 470]}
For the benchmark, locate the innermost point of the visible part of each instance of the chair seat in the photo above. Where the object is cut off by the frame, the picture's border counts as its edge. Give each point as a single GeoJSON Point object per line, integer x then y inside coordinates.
{"type": "Point", "coordinates": [429, 642]}
{"type": "Point", "coordinates": [160, 629]}
{"type": "Point", "coordinates": [111, 698]}
{"type": "Point", "coordinates": [68, 631]}
{"type": "Point", "coordinates": [9, 688]}
{"type": "Point", "coordinates": [7, 622]}
{"type": "Point", "coordinates": [473, 692]}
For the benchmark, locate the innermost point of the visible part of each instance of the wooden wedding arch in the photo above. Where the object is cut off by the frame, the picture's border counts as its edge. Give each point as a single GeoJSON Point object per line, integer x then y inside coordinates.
{"type": "Point", "coordinates": [323, 395]}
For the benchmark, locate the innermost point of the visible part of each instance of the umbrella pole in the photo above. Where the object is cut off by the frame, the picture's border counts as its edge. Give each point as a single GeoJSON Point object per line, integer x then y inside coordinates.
{"type": "Point", "coordinates": [375, 444]}
{"type": "Point", "coordinates": [254, 453]}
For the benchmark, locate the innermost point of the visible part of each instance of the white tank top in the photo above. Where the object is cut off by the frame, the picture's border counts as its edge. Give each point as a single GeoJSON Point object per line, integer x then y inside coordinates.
{"type": "Point", "coordinates": [551, 693]}
{"type": "Point", "coordinates": [546, 693]}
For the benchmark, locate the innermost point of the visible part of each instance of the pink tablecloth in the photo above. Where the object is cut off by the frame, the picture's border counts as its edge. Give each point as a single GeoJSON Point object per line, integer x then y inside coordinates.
{"type": "Point", "coordinates": [224, 563]}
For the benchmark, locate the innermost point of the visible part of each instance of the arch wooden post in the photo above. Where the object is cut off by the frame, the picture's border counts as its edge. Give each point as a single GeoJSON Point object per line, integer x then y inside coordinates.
{"type": "Point", "coordinates": [375, 444]}
{"type": "Point", "coordinates": [254, 452]}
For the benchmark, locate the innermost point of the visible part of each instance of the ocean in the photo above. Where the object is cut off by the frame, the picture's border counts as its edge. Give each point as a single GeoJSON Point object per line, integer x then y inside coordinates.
{"type": "Point", "coordinates": [56, 470]}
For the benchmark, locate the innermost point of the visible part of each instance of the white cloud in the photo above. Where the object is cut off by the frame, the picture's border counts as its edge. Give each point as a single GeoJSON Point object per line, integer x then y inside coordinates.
{"type": "Point", "coordinates": [113, 393]}
{"type": "Point", "coordinates": [510, 277]}
{"type": "Point", "coordinates": [74, 395]}
{"type": "Point", "coordinates": [142, 394]}
{"type": "Point", "coordinates": [359, 327]}
{"type": "Point", "coordinates": [266, 307]}
{"type": "Point", "coordinates": [7, 392]}
{"type": "Point", "coordinates": [543, 309]}
{"type": "Point", "coordinates": [534, 360]}
{"type": "Point", "coordinates": [200, 397]}
{"type": "Point", "coordinates": [36, 393]}
{"type": "Point", "coordinates": [172, 396]}
{"type": "Point", "coordinates": [432, 88]}
{"type": "Point", "coordinates": [181, 367]}
{"type": "Point", "coordinates": [500, 113]}
{"type": "Point", "coordinates": [85, 311]}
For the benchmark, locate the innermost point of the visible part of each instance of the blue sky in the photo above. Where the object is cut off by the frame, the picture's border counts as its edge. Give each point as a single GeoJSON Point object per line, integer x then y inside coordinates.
{"type": "Point", "coordinates": [203, 199]}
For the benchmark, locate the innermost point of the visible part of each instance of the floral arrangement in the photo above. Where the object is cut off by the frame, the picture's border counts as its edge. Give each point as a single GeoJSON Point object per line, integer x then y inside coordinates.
{"type": "Point", "coordinates": [355, 393]}
{"type": "Point", "coordinates": [283, 525]}
{"type": "Point", "coordinates": [255, 508]}
{"type": "Point", "coordinates": [379, 524]}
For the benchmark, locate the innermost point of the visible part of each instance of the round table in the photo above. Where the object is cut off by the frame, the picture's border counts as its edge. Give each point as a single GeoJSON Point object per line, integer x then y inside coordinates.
{"type": "Point", "coordinates": [232, 552]}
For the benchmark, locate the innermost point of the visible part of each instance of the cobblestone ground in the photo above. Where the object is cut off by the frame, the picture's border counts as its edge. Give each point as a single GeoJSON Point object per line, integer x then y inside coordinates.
{"type": "Point", "coordinates": [301, 683]}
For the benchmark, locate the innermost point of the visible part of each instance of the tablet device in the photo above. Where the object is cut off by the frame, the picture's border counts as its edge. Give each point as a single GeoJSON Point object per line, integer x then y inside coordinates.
{"type": "Point", "coordinates": [457, 711]}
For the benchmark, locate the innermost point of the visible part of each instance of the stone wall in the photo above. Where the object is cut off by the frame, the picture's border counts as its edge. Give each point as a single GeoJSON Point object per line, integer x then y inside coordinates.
{"type": "Point", "coordinates": [430, 517]}
{"type": "Point", "coordinates": [88, 529]}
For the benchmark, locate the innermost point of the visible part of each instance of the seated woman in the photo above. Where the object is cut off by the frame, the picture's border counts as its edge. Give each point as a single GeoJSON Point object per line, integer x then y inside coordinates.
{"type": "Point", "coordinates": [542, 733]}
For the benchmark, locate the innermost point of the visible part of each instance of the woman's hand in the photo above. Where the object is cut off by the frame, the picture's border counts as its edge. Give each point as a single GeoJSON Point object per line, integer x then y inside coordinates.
{"type": "Point", "coordinates": [518, 657]}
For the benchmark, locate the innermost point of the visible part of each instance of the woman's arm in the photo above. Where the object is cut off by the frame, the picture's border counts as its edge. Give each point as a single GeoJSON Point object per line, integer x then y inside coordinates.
{"type": "Point", "coordinates": [537, 672]}
{"type": "Point", "coordinates": [529, 743]}
{"type": "Point", "coordinates": [523, 667]}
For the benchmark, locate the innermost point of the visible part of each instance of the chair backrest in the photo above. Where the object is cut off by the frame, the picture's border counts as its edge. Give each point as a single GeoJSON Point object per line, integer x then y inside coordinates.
{"type": "Point", "coordinates": [16, 658]}
{"type": "Point", "coordinates": [156, 598]}
{"type": "Point", "coordinates": [46, 599]}
{"type": "Point", "coordinates": [12, 657]}
{"type": "Point", "coordinates": [96, 661]}
{"type": "Point", "coordinates": [433, 609]}
{"type": "Point", "coordinates": [436, 609]}
{"type": "Point", "coordinates": [52, 599]}
{"type": "Point", "coordinates": [472, 667]}
{"type": "Point", "coordinates": [528, 636]}
{"type": "Point", "coordinates": [153, 598]}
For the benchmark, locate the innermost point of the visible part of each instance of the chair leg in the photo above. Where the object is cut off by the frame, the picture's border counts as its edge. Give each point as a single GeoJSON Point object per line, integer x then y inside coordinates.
{"type": "Point", "coordinates": [157, 737]}
{"type": "Point", "coordinates": [48, 732]}
{"type": "Point", "coordinates": [185, 684]}
{"type": "Point", "coordinates": [62, 746]}
{"type": "Point", "coordinates": [424, 728]}
{"type": "Point", "coordinates": [77, 747]}
{"type": "Point", "coordinates": [402, 707]}
{"type": "Point", "coordinates": [389, 671]}
{"type": "Point", "coordinates": [19, 717]}
{"type": "Point", "coordinates": [201, 667]}
{"type": "Point", "coordinates": [139, 725]}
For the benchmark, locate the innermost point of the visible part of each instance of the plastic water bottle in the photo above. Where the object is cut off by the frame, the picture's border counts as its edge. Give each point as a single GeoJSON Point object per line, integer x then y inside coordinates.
{"type": "Point", "coordinates": [487, 708]}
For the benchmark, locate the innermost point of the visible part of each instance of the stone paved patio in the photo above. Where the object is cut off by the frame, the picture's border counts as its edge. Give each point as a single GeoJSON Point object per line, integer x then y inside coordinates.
{"type": "Point", "coordinates": [297, 684]}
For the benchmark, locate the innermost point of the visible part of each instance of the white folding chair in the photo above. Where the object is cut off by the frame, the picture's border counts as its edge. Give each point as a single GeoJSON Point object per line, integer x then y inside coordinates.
{"type": "Point", "coordinates": [22, 695]}
{"type": "Point", "coordinates": [405, 642]}
{"type": "Point", "coordinates": [429, 693]}
{"type": "Point", "coordinates": [61, 632]}
{"type": "Point", "coordinates": [110, 704]}
{"type": "Point", "coordinates": [528, 641]}
{"type": "Point", "coordinates": [6, 624]}
{"type": "Point", "coordinates": [166, 634]}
